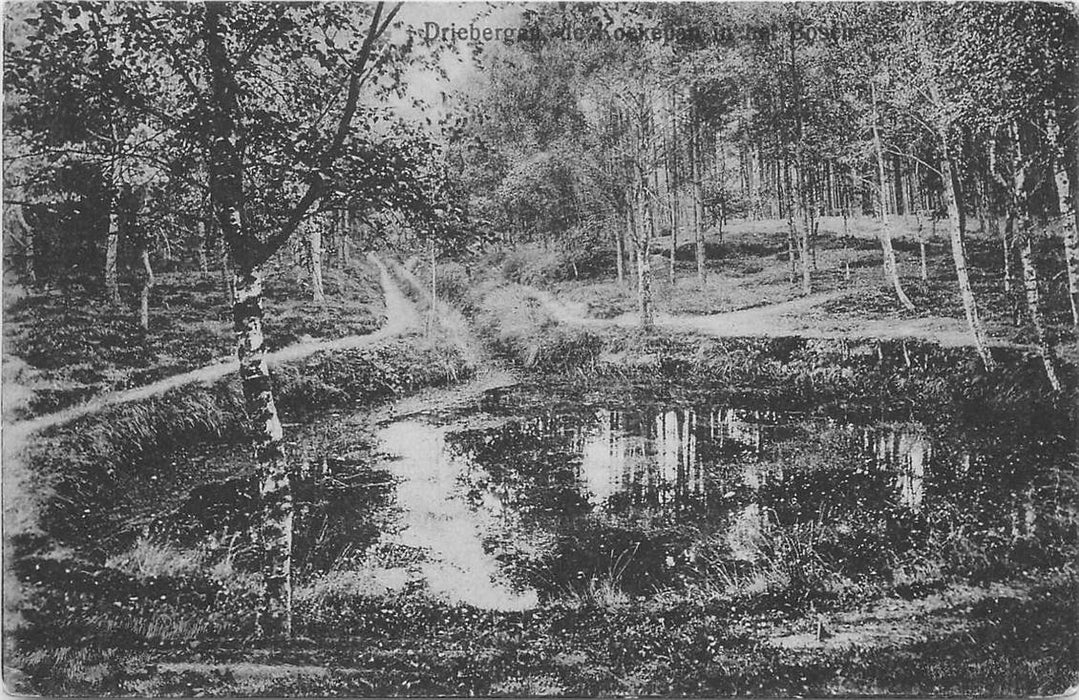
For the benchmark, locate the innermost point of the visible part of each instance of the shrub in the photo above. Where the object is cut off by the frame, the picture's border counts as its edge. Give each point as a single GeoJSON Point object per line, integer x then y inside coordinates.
{"type": "Point", "coordinates": [452, 282]}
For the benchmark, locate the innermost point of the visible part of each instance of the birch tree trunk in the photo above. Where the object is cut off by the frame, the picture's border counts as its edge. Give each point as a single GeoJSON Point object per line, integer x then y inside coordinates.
{"type": "Point", "coordinates": [695, 174]}
{"type": "Point", "coordinates": [314, 260]}
{"type": "Point", "coordinates": [112, 247]}
{"type": "Point", "coordinates": [275, 491]}
{"type": "Point", "coordinates": [644, 269]}
{"type": "Point", "coordinates": [891, 270]}
{"type": "Point", "coordinates": [924, 268]}
{"type": "Point", "coordinates": [803, 236]}
{"type": "Point", "coordinates": [203, 246]}
{"type": "Point", "coordinates": [432, 313]}
{"type": "Point", "coordinates": [673, 180]}
{"type": "Point", "coordinates": [1030, 286]}
{"type": "Point", "coordinates": [620, 255]}
{"type": "Point", "coordinates": [644, 286]}
{"type": "Point", "coordinates": [147, 284]}
{"type": "Point", "coordinates": [346, 237]}
{"type": "Point", "coordinates": [226, 168]}
{"type": "Point", "coordinates": [1071, 233]}
{"type": "Point", "coordinates": [792, 233]}
{"type": "Point", "coordinates": [341, 219]}
{"type": "Point", "coordinates": [27, 235]}
{"type": "Point", "coordinates": [674, 236]}
{"type": "Point", "coordinates": [959, 256]}
{"type": "Point", "coordinates": [1006, 232]}
{"type": "Point", "coordinates": [226, 275]}
{"type": "Point", "coordinates": [1071, 257]}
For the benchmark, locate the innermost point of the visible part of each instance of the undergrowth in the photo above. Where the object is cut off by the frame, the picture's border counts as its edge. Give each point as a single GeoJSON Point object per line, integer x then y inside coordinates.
{"type": "Point", "coordinates": [74, 347]}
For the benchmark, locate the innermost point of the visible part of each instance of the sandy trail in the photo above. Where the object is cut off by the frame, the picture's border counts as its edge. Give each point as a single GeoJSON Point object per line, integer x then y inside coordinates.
{"type": "Point", "coordinates": [799, 317]}
{"type": "Point", "coordinates": [401, 315]}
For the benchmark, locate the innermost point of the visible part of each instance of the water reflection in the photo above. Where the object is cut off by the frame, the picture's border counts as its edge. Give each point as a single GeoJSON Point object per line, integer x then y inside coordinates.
{"type": "Point", "coordinates": [667, 456]}
{"type": "Point", "coordinates": [557, 501]}
{"type": "Point", "coordinates": [448, 531]}
{"type": "Point", "coordinates": [678, 478]}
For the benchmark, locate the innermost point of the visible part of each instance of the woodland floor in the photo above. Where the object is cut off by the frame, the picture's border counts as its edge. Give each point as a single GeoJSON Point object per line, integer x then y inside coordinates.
{"type": "Point", "coordinates": [748, 291]}
{"type": "Point", "coordinates": [1009, 636]}
{"type": "Point", "coordinates": [63, 346]}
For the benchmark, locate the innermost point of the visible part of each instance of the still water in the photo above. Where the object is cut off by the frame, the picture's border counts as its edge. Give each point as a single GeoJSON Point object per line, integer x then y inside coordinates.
{"type": "Point", "coordinates": [519, 502]}
{"type": "Point", "coordinates": [533, 493]}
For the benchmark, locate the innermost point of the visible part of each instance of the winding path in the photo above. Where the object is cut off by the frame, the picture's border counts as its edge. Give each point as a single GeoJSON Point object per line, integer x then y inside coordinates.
{"type": "Point", "coordinates": [401, 315]}
{"type": "Point", "coordinates": [796, 317]}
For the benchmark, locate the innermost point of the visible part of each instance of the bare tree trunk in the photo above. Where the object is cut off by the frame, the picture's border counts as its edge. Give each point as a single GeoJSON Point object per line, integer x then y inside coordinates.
{"type": "Point", "coordinates": [314, 260]}
{"type": "Point", "coordinates": [792, 233]}
{"type": "Point", "coordinates": [341, 224]}
{"type": "Point", "coordinates": [619, 250]}
{"type": "Point", "coordinates": [346, 238]}
{"type": "Point", "coordinates": [644, 289]}
{"type": "Point", "coordinates": [1007, 238]}
{"type": "Point", "coordinates": [203, 245]}
{"type": "Point", "coordinates": [27, 235]}
{"type": "Point", "coordinates": [891, 269]}
{"type": "Point", "coordinates": [803, 236]}
{"type": "Point", "coordinates": [1071, 256]}
{"type": "Point", "coordinates": [247, 253]}
{"type": "Point", "coordinates": [112, 246]}
{"type": "Point", "coordinates": [275, 491]}
{"type": "Point", "coordinates": [921, 243]}
{"type": "Point", "coordinates": [227, 276]}
{"type": "Point", "coordinates": [1071, 233]}
{"type": "Point", "coordinates": [959, 255]}
{"type": "Point", "coordinates": [673, 181]}
{"type": "Point", "coordinates": [1030, 285]}
{"type": "Point", "coordinates": [147, 285]}
{"type": "Point", "coordinates": [432, 313]}
{"type": "Point", "coordinates": [644, 271]}
{"type": "Point", "coordinates": [702, 254]}
{"type": "Point", "coordinates": [698, 200]}
{"type": "Point", "coordinates": [882, 199]}
{"type": "Point", "coordinates": [674, 236]}
{"type": "Point", "coordinates": [1006, 233]}
{"type": "Point", "coordinates": [330, 240]}
{"type": "Point", "coordinates": [698, 230]}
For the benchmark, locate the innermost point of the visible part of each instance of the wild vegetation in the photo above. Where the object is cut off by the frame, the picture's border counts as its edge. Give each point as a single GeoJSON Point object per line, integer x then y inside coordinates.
{"type": "Point", "coordinates": [688, 349]}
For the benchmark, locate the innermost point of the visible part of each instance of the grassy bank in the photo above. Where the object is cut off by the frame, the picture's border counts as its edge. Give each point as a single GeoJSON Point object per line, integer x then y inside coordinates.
{"type": "Point", "coordinates": [798, 371]}
{"type": "Point", "coordinates": [64, 345]}
{"type": "Point", "coordinates": [141, 545]}
{"type": "Point", "coordinates": [748, 267]}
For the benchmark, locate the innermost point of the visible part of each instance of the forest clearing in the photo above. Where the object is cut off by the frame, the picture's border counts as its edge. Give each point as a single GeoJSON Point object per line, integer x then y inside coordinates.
{"type": "Point", "coordinates": [525, 349]}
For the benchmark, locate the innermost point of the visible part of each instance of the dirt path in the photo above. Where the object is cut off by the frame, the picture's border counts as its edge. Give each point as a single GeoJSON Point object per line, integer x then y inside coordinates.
{"type": "Point", "coordinates": [885, 622]}
{"type": "Point", "coordinates": [801, 317]}
{"type": "Point", "coordinates": [401, 315]}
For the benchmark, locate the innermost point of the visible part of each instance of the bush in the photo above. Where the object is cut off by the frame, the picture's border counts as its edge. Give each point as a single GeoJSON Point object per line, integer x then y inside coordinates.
{"type": "Point", "coordinates": [452, 282]}
{"type": "Point", "coordinates": [537, 267]}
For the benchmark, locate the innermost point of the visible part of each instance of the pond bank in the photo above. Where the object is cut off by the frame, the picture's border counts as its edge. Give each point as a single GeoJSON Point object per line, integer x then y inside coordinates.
{"type": "Point", "coordinates": [85, 492]}
{"type": "Point", "coordinates": [518, 323]}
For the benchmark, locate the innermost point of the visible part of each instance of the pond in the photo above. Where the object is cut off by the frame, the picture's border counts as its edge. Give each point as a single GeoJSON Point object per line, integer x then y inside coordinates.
{"type": "Point", "coordinates": [536, 492]}
{"type": "Point", "coordinates": [529, 495]}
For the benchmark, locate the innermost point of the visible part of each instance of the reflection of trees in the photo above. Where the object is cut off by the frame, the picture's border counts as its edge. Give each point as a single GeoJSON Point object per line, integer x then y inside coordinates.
{"type": "Point", "coordinates": [531, 467]}
{"type": "Point", "coordinates": [341, 510]}
{"type": "Point", "coordinates": [865, 522]}
{"type": "Point", "coordinates": [678, 480]}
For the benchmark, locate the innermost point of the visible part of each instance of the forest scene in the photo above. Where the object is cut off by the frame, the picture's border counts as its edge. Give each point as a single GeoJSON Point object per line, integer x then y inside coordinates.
{"type": "Point", "coordinates": [528, 349]}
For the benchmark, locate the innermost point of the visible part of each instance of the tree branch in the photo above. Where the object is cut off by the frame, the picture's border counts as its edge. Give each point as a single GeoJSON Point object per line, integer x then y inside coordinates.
{"type": "Point", "coordinates": [318, 182]}
{"type": "Point", "coordinates": [916, 159]}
